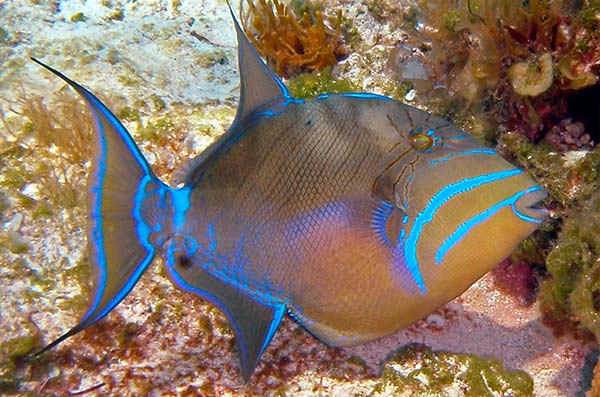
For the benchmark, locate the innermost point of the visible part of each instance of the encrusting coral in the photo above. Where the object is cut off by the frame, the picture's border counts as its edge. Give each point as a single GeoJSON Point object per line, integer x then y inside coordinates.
{"type": "Point", "coordinates": [294, 44]}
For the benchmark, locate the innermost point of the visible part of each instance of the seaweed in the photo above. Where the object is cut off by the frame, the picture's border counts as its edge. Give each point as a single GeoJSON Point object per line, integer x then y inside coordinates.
{"type": "Point", "coordinates": [37, 135]}
{"type": "Point", "coordinates": [293, 44]}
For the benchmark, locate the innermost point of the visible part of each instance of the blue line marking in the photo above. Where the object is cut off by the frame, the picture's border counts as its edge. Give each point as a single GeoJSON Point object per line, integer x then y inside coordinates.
{"type": "Point", "coordinates": [181, 203]}
{"type": "Point", "coordinates": [96, 190]}
{"type": "Point", "coordinates": [211, 237]}
{"type": "Point", "coordinates": [379, 221]}
{"type": "Point", "coordinates": [143, 232]}
{"type": "Point", "coordinates": [437, 201]}
{"type": "Point", "coordinates": [465, 153]}
{"type": "Point", "coordinates": [279, 309]}
{"type": "Point", "coordinates": [459, 137]}
{"type": "Point", "coordinates": [98, 109]}
{"type": "Point", "coordinates": [278, 312]}
{"type": "Point", "coordinates": [467, 226]}
{"type": "Point", "coordinates": [142, 229]}
{"type": "Point", "coordinates": [97, 234]}
{"type": "Point", "coordinates": [127, 139]}
{"type": "Point", "coordinates": [278, 107]}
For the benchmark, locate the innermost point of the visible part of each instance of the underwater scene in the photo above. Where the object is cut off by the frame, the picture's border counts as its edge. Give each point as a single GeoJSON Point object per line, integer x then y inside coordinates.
{"type": "Point", "coordinates": [299, 198]}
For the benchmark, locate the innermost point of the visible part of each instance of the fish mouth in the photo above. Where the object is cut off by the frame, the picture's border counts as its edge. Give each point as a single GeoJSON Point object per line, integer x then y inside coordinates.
{"type": "Point", "coordinates": [528, 206]}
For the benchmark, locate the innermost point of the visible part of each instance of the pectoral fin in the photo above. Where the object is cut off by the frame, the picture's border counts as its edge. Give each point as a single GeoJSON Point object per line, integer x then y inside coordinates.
{"type": "Point", "coordinates": [254, 323]}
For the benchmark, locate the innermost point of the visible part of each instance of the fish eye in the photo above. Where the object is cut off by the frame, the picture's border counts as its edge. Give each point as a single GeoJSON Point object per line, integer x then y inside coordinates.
{"type": "Point", "coordinates": [420, 141]}
{"type": "Point", "coordinates": [183, 261]}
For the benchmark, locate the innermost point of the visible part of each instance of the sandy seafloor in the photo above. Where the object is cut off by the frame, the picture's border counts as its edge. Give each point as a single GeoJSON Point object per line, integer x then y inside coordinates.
{"type": "Point", "coordinates": [160, 341]}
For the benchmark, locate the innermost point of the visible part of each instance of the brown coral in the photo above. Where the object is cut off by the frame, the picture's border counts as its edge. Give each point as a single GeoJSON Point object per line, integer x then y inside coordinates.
{"type": "Point", "coordinates": [290, 44]}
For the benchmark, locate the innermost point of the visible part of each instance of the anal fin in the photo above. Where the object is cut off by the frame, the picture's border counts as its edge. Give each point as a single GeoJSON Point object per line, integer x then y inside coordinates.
{"type": "Point", "coordinates": [254, 323]}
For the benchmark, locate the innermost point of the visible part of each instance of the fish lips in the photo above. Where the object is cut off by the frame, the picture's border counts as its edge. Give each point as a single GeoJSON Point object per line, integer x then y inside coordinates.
{"type": "Point", "coordinates": [528, 206]}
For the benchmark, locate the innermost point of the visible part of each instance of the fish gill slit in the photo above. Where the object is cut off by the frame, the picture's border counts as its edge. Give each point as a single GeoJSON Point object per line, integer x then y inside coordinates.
{"type": "Point", "coordinates": [397, 181]}
{"type": "Point", "coordinates": [387, 168]}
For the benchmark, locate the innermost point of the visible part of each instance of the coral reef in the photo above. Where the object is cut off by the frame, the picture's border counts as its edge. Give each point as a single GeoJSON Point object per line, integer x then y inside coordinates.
{"type": "Point", "coordinates": [515, 63]}
{"type": "Point", "coordinates": [161, 341]}
{"type": "Point", "coordinates": [516, 72]}
{"type": "Point", "coordinates": [570, 298]}
{"type": "Point", "coordinates": [568, 135]}
{"type": "Point", "coordinates": [293, 44]}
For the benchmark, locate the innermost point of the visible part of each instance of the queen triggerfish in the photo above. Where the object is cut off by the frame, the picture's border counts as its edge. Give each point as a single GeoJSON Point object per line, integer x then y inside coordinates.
{"type": "Point", "coordinates": [353, 213]}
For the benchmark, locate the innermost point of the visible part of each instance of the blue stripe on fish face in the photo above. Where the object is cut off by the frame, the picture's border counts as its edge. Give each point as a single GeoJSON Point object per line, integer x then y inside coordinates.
{"type": "Point", "coordinates": [463, 153]}
{"type": "Point", "coordinates": [468, 225]}
{"type": "Point", "coordinates": [427, 214]}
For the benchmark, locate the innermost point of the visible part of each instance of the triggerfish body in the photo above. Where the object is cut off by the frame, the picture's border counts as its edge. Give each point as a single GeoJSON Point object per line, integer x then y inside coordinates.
{"type": "Point", "coordinates": [354, 213]}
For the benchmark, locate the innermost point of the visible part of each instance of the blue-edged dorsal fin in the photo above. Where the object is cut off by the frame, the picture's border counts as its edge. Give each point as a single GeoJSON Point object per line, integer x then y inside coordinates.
{"type": "Point", "coordinates": [258, 84]}
{"type": "Point", "coordinates": [254, 323]}
{"type": "Point", "coordinates": [118, 178]}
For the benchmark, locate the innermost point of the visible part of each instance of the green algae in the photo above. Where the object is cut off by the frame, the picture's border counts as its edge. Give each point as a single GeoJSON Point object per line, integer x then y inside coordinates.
{"type": "Point", "coordinates": [212, 58]}
{"type": "Point", "coordinates": [128, 113]}
{"type": "Point", "coordinates": [543, 162]}
{"type": "Point", "coordinates": [566, 183]}
{"type": "Point", "coordinates": [157, 103]}
{"type": "Point", "coordinates": [3, 34]}
{"type": "Point", "coordinates": [4, 205]}
{"type": "Point", "coordinates": [418, 370]}
{"type": "Point", "coordinates": [570, 297]}
{"type": "Point", "coordinates": [13, 350]}
{"type": "Point", "coordinates": [116, 15]}
{"type": "Point", "coordinates": [130, 80]}
{"type": "Point", "coordinates": [157, 130]}
{"type": "Point", "coordinates": [78, 17]}
{"type": "Point", "coordinates": [309, 85]}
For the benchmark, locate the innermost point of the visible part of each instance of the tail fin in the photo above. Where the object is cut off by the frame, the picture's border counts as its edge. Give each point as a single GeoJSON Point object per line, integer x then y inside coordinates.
{"type": "Point", "coordinates": [117, 237]}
